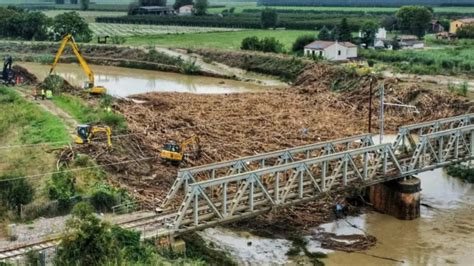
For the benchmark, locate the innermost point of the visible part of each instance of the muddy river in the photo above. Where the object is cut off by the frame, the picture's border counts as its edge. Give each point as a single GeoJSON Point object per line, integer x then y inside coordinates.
{"type": "Point", "coordinates": [122, 82]}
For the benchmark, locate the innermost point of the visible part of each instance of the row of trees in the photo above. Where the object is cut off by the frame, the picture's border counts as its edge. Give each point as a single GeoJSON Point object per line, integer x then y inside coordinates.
{"type": "Point", "coordinates": [18, 23]}
{"type": "Point", "coordinates": [200, 6]}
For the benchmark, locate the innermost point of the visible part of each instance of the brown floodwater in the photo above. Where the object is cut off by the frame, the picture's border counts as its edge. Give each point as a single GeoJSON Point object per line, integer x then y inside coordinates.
{"type": "Point", "coordinates": [444, 234]}
{"type": "Point", "coordinates": [122, 82]}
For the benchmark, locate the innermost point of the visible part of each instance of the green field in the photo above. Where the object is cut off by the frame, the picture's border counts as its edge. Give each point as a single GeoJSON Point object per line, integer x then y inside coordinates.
{"type": "Point", "coordinates": [89, 16]}
{"type": "Point", "coordinates": [439, 57]}
{"type": "Point", "coordinates": [220, 40]}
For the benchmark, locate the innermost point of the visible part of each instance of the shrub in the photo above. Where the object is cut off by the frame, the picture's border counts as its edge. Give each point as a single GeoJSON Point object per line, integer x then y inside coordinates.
{"type": "Point", "coordinates": [301, 42]}
{"type": "Point", "coordinates": [189, 67]}
{"type": "Point", "coordinates": [447, 63]}
{"type": "Point", "coordinates": [251, 43]}
{"type": "Point", "coordinates": [103, 201]}
{"type": "Point", "coordinates": [118, 39]}
{"type": "Point", "coordinates": [15, 192]}
{"type": "Point", "coordinates": [267, 44]}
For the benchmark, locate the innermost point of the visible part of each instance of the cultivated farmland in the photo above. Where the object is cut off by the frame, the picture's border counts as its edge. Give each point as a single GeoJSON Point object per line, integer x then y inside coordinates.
{"type": "Point", "coordinates": [127, 30]}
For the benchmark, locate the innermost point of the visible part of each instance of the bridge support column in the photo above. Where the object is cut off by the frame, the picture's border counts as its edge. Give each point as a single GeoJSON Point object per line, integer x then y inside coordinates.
{"type": "Point", "coordinates": [398, 198]}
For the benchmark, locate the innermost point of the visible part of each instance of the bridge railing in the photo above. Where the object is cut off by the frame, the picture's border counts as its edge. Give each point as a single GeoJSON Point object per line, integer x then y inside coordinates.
{"type": "Point", "coordinates": [407, 134]}
{"type": "Point", "coordinates": [405, 140]}
{"type": "Point", "coordinates": [250, 163]}
{"type": "Point", "coordinates": [250, 193]}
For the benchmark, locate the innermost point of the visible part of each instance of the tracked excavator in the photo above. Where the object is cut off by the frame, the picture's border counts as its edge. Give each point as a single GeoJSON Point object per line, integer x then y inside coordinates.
{"type": "Point", "coordinates": [89, 85]}
{"type": "Point", "coordinates": [8, 77]}
{"type": "Point", "coordinates": [86, 133]}
{"type": "Point", "coordinates": [176, 153]}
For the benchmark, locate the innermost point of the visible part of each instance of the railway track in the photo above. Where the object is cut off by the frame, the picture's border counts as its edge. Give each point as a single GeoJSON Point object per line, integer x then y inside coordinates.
{"type": "Point", "coordinates": [142, 224]}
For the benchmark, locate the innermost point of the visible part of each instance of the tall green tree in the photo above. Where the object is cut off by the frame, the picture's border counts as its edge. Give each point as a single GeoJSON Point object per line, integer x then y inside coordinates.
{"type": "Point", "coordinates": [200, 8]}
{"type": "Point", "coordinates": [369, 30]}
{"type": "Point", "coordinates": [85, 4]}
{"type": "Point", "coordinates": [335, 33]}
{"type": "Point", "coordinates": [152, 2]}
{"type": "Point", "coordinates": [180, 3]}
{"type": "Point", "coordinates": [87, 240]}
{"type": "Point", "coordinates": [72, 22]}
{"type": "Point", "coordinates": [35, 26]}
{"type": "Point", "coordinates": [15, 193]}
{"type": "Point", "coordinates": [301, 42]}
{"type": "Point", "coordinates": [345, 34]}
{"type": "Point", "coordinates": [324, 34]}
{"type": "Point", "coordinates": [414, 20]}
{"type": "Point", "coordinates": [269, 18]}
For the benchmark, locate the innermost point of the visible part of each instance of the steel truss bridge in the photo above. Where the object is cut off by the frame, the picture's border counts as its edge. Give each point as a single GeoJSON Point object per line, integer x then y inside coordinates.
{"type": "Point", "coordinates": [249, 186]}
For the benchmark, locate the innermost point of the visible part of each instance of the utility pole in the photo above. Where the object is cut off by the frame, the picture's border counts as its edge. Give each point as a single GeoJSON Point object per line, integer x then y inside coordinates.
{"type": "Point", "coordinates": [382, 105]}
{"type": "Point", "coordinates": [370, 104]}
{"type": "Point", "coordinates": [382, 108]}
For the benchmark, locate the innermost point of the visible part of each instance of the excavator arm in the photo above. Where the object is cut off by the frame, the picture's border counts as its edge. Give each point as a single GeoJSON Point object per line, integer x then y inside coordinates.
{"type": "Point", "coordinates": [69, 39]}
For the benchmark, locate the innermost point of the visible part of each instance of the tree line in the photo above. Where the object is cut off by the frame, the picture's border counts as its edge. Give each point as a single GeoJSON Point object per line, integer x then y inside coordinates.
{"type": "Point", "coordinates": [18, 23]}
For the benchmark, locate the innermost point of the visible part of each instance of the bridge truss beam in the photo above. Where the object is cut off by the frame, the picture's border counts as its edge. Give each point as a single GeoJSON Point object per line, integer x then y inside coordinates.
{"type": "Point", "coordinates": [254, 192]}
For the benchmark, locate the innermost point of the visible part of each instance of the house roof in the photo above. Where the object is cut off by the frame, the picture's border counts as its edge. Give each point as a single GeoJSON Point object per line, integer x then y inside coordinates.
{"type": "Point", "coordinates": [407, 37]}
{"type": "Point", "coordinates": [155, 8]}
{"type": "Point", "coordinates": [187, 6]}
{"type": "Point", "coordinates": [321, 45]}
{"type": "Point", "coordinates": [466, 20]}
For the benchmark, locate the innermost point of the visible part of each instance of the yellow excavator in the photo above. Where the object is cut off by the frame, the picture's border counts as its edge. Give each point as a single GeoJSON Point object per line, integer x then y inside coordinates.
{"type": "Point", "coordinates": [175, 153]}
{"type": "Point", "coordinates": [85, 133]}
{"type": "Point", "coordinates": [89, 85]}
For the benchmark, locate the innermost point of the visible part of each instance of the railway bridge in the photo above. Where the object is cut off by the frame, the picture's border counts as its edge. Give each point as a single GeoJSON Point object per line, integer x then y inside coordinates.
{"type": "Point", "coordinates": [223, 192]}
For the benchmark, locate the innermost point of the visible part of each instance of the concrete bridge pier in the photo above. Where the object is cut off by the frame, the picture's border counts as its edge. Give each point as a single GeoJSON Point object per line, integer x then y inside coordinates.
{"type": "Point", "coordinates": [398, 198]}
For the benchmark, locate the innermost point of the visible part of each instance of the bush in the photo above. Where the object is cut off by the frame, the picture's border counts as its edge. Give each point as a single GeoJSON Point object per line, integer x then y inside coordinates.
{"type": "Point", "coordinates": [466, 32]}
{"type": "Point", "coordinates": [251, 43]}
{"type": "Point", "coordinates": [461, 171]}
{"type": "Point", "coordinates": [189, 67]}
{"type": "Point", "coordinates": [15, 192]}
{"type": "Point", "coordinates": [267, 44]}
{"type": "Point", "coordinates": [118, 39]}
{"type": "Point", "coordinates": [301, 42]}
{"type": "Point", "coordinates": [103, 201]}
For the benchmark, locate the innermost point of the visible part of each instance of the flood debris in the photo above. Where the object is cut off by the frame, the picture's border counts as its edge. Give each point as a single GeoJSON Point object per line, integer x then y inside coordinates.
{"type": "Point", "coordinates": [235, 125]}
{"type": "Point", "coordinates": [347, 243]}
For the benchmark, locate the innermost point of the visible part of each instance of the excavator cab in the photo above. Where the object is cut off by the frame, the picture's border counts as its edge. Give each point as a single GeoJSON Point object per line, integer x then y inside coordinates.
{"type": "Point", "coordinates": [175, 153]}
{"type": "Point", "coordinates": [90, 88]}
{"type": "Point", "coordinates": [85, 133]}
{"type": "Point", "coordinates": [8, 76]}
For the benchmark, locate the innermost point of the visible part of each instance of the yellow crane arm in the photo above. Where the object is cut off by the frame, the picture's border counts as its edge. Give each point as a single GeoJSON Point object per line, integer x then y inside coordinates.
{"type": "Point", "coordinates": [69, 39]}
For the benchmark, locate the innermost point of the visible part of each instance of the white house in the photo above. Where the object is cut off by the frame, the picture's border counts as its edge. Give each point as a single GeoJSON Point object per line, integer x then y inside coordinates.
{"type": "Point", "coordinates": [186, 10]}
{"type": "Point", "coordinates": [410, 42]}
{"type": "Point", "coordinates": [330, 50]}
